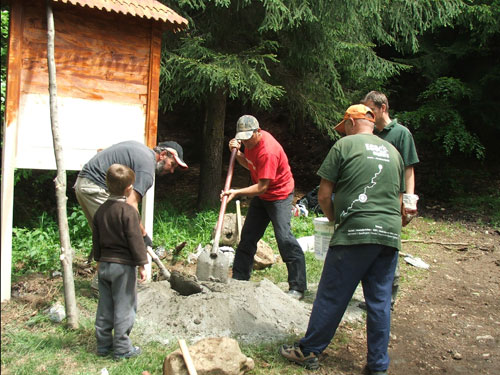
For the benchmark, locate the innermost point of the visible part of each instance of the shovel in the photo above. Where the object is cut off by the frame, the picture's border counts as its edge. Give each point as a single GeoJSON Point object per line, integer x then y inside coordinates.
{"type": "Point", "coordinates": [213, 265]}
{"type": "Point", "coordinates": [185, 285]}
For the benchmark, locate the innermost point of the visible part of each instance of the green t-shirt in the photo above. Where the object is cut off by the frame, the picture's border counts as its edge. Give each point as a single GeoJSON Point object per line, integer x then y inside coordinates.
{"type": "Point", "coordinates": [368, 174]}
{"type": "Point", "coordinates": [400, 137]}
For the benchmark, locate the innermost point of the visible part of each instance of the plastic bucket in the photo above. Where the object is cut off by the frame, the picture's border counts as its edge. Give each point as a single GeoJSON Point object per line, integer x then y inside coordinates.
{"type": "Point", "coordinates": [323, 231]}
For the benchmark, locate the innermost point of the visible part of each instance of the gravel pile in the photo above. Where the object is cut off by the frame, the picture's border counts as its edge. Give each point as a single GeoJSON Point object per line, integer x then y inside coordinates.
{"type": "Point", "coordinates": [247, 311]}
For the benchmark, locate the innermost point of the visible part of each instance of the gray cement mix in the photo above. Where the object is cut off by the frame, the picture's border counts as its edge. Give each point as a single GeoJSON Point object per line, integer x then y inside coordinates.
{"type": "Point", "coordinates": [251, 312]}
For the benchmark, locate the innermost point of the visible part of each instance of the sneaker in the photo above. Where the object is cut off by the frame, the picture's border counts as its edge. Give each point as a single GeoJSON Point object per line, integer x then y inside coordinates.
{"type": "Point", "coordinates": [294, 354]}
{"type": "Point", "coordinates": [134, 352]}
{"type": "Point", "coordinates": [296, 294]}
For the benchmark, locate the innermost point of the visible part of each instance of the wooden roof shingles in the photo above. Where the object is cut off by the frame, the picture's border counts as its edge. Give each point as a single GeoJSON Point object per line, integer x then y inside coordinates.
{"type": "Point", "coordinates": [149, 9]}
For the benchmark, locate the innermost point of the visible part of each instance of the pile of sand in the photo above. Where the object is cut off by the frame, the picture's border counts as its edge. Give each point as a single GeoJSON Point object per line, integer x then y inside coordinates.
{"type": "Point", "coordinates": [247, 311]}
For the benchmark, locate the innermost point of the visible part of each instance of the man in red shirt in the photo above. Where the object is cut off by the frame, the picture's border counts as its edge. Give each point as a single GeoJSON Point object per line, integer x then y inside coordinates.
{"type": "Point", "coordinates": [272, 193]}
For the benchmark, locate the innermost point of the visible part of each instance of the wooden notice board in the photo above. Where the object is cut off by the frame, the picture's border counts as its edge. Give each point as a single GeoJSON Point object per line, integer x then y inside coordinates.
{"type": "Point", "coordinates": [107, 71]}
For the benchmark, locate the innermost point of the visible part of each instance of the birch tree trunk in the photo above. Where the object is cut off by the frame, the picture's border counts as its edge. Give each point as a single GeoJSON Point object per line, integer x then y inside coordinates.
{"type": "Point", "coordinates": [60, 181]}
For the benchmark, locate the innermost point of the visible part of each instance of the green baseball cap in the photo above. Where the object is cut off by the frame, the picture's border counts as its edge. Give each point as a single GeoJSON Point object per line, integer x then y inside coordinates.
{"type": "Point", "coordinates": [245, 127]}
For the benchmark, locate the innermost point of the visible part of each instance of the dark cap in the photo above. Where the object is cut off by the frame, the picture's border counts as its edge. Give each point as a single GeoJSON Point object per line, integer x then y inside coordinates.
{"type": "Point", "coordinates": [176, 150]}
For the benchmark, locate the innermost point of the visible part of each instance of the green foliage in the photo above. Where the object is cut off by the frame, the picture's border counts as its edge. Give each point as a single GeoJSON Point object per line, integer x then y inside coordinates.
{"type": "Point", "coordinates": [37, 249]}
{"type": "Point", "coordinates": [202, 70]}
{"type": "Point", "coordinates": [449, 94]}
{"type": "Point", "coordinates": [172, 226]}
{"type": "Point", "coordinates": [79, 230]}
{"type": "Point", "coordinates": [311, 58]}
{"type": "Point", "coordinates": [439, 119]}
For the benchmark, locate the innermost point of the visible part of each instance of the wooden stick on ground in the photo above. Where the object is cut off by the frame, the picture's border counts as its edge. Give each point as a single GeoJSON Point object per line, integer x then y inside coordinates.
{"type": "Point", "coordinates": [187, 357]}
{"type": "Point", "coordinates": [438, 242]}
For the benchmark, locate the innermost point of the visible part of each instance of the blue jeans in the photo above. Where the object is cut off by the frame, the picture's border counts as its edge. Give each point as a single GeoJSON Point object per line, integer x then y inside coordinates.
{"type": "Point", "coordinates": [345, 266]}
{"type": "Point", "coordinates": [259, 214]}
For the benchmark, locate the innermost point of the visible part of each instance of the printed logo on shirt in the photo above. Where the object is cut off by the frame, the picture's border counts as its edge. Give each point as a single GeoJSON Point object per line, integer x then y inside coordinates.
{"type": "Point", "coordinates": [380, 152]}
{"type": "Point", "coordinates": [363, 197]}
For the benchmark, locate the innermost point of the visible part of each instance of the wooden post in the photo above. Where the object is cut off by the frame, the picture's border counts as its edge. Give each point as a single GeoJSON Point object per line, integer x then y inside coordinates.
{"type": "Point", "coordinates": [10, 127]}
{"type": "Point", "coordinates": [147, 221]}
{"type": "Point", "coordinates": [60, 181]}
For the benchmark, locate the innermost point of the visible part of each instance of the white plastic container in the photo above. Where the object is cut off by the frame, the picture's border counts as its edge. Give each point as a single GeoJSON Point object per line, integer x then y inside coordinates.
{"type": "Point", "coordinates": [323, 231]}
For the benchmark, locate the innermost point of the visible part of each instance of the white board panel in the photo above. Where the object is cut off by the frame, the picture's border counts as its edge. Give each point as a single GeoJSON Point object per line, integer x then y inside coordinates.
{"type": "Point", "coordinates": [85, 126]}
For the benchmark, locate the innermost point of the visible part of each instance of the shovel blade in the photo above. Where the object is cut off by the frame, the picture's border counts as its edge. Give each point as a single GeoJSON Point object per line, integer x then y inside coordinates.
{"type": "Point", "coordinates": [212, 266]}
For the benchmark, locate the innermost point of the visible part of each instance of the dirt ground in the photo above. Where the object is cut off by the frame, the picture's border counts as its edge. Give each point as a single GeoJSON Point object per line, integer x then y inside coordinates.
{"type": "Point", "coordinates": [447, 318]}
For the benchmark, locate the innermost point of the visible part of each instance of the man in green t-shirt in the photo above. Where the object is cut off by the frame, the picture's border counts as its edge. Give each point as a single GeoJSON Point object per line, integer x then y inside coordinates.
{"type": "Point", "coordinates": [401, 138]}
{"type": "Point", "coordinates": [367, 175]}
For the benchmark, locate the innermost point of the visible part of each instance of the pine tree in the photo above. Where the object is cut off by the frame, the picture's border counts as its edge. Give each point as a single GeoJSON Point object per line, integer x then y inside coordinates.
{"type": "Point", "coordinates": [311, 58]}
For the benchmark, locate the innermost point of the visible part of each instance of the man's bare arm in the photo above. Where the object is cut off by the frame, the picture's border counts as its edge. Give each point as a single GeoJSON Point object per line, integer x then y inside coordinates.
{"type": "Point", "coordinates": [326, 189]}
{"type": "Point", "coordinates": [250, 191]}
{"type": "Point", "coordinates": [134, 199]}
{"type": "Point", "coordinates": [410, 180]}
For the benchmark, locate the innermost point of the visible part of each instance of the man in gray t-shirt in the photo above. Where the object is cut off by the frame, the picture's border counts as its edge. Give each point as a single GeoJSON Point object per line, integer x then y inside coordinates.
{"type": "Point", "coordinates": [90, 186]}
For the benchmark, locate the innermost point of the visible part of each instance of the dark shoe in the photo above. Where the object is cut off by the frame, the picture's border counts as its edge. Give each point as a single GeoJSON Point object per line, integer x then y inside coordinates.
{"type": "Point", "coordinates": [367, 371]}
{"type": "Point", "coordinates": [298, 295]}
{"type": "Point", "coordinates": [294, 354]}
{"type": "Point", "coordinates": [134, 352]}
{"type": "Point", "coordinates": [104, 352]}
{"type": "Point", "coordinates": [362, 306]}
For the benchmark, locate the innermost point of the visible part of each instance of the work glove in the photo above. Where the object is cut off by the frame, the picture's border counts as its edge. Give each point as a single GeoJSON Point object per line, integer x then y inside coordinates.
{"type": "Point", "coordinates": [147, 241]}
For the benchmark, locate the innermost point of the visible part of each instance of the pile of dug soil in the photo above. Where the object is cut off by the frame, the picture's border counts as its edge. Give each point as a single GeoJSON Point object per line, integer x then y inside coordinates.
{"type": "Point", "coordinates": [248, 311]}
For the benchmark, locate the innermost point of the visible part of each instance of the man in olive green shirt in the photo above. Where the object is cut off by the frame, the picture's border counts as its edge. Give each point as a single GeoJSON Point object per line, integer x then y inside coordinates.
{"type": "Point", "coordinates": [401, 138]}
{"type": "Point", "coordinates": [367, 175]}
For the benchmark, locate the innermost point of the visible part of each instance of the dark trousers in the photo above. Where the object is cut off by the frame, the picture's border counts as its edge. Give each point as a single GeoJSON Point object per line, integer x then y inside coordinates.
{"type": "Point", "coordinates": [344, 268]}
{"type": "Point", "coordinates": [259, 214]}
{"type": "Point", "coordinates": [116, 308]}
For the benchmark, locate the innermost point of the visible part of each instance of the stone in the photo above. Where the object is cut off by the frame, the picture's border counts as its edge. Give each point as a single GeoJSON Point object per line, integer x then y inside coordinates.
{"type": "Point", "coordinates": [264, 257]}
{"type": "Point", "coordinates": [229, 234]}
{"type": "Point", "coordinates": [214, 355]}
{"type": "Point", "coordinates": [56, 313]}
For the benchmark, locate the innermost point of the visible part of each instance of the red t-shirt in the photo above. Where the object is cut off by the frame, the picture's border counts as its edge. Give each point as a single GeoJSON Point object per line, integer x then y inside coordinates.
{"type": "Point", "coordinates": [267, 160]}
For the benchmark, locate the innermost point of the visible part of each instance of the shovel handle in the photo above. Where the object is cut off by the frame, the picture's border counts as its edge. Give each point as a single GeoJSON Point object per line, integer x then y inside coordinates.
{"type": "Point", "coordinates": [222, 211]}
{"type": "Point", "coordinates": [158, 262]}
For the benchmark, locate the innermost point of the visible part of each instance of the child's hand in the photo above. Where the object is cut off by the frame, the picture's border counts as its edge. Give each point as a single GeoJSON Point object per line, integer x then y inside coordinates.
{"type": "Point", "coordinates": [142, 274]}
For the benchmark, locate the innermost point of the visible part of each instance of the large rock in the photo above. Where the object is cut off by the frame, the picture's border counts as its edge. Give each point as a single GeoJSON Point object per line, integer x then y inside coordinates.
{"type": "Point", "coordinates": [211, 356]}
{"type": "Point", "coordinates": [264, 257]}
{"type": "Point", "coordinates": [229, 234]}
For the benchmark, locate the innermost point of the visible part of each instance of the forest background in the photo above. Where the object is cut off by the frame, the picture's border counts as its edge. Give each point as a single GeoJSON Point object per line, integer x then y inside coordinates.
{"type": "Point", "coordinates": [298, 65]}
